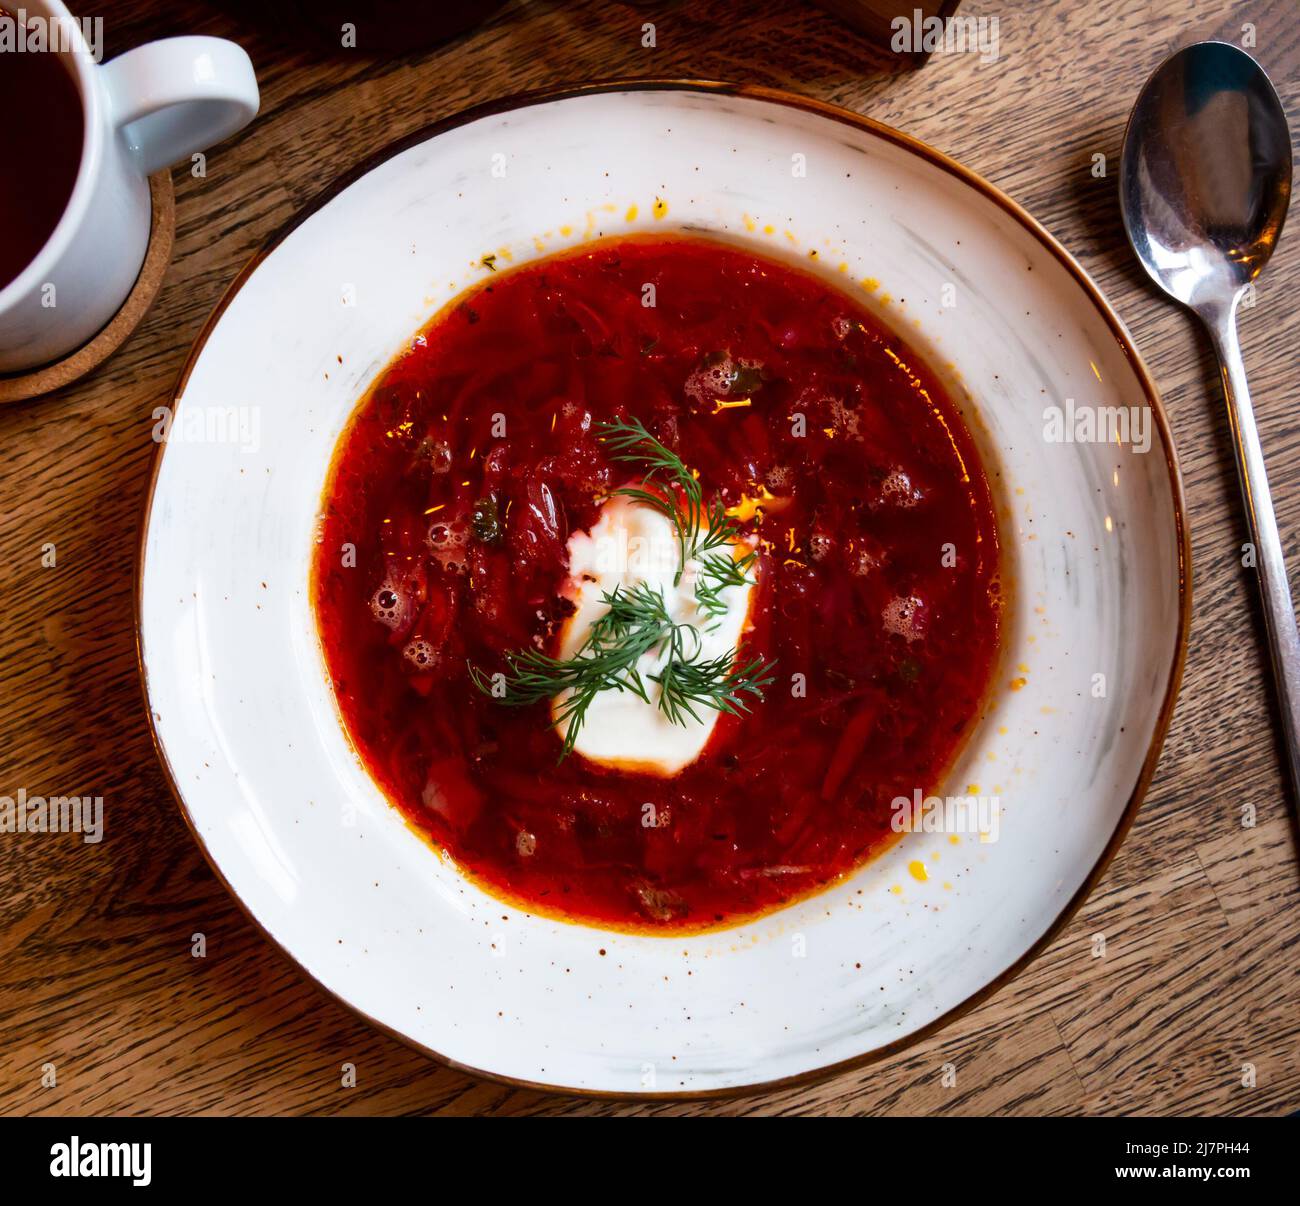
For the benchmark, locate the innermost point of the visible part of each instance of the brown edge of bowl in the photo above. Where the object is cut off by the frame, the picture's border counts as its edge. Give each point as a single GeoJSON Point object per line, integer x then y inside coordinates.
{"type": "Point", "coordinates": [938, 159]}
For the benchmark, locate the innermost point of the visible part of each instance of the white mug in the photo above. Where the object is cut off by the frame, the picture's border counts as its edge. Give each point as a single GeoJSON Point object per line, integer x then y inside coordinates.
{"type": "Point", "coordinates": [142, 111]}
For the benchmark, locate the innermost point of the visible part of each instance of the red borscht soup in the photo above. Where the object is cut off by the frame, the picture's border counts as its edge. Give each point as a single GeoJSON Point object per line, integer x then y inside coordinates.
{"type": "Point", "coordinates": [678, 745]}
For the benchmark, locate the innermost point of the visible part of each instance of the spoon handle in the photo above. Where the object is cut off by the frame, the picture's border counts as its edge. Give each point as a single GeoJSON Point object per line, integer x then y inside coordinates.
{"type": "Point", "coordinates": [1279, 614]}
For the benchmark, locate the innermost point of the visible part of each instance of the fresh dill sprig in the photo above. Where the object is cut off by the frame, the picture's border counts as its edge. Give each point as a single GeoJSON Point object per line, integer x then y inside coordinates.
{"type": "Point", "coordinates": [716, 683]}
{"type": "Point", "coordinates": [700, 528]}
{"type": "Point", "coordinates": [636, 620]}
{"type": "Point", "coordinates": [717, 572]}
{"type": "Point", "coordinates": [635, 623]}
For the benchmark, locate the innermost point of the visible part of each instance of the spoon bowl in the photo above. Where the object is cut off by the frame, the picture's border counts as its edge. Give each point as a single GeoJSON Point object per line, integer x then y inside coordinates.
{"type": "Point", "coordinates": [1205, 178]}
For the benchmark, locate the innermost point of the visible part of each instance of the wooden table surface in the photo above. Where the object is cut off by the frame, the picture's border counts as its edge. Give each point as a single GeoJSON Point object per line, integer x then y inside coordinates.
{"type": "Point", "coordinates": [1201, 915]}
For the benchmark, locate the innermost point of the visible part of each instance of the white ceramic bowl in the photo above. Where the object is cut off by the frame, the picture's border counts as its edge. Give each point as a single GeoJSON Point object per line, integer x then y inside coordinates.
{"type": "Point", "coordinates": [1096, 557]}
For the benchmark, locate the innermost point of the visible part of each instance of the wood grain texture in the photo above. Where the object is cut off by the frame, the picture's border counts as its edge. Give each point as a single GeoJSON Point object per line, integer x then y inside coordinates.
{"type": "Point", "coordinates": [1199, 915]}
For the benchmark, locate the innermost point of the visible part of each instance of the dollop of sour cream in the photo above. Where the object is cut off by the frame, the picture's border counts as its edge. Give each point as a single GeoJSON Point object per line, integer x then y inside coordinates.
{"type": "Point", "coordinates": [631, 543]}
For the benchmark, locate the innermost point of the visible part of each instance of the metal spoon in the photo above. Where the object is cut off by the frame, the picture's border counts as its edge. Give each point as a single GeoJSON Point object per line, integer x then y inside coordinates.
{"type": "Point", "coordinates": [1205, 181]}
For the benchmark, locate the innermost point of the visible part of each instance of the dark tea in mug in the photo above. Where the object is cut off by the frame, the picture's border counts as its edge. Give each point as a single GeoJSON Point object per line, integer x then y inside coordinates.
{"type": "Point", "coordinates": [41, 132]}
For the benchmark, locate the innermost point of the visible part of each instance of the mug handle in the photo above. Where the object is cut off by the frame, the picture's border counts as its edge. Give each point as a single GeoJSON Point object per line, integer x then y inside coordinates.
{"type": "Point", "coordinates": [178, 96]}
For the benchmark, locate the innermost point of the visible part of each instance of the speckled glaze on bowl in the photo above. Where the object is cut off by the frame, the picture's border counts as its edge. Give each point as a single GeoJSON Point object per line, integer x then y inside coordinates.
{"type": "Point", "coordinates": [1097, 562]}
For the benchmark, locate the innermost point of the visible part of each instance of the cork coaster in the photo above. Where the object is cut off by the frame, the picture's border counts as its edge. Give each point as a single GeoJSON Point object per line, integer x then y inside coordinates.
{"type": "Point", "coordinates": [44, 380]}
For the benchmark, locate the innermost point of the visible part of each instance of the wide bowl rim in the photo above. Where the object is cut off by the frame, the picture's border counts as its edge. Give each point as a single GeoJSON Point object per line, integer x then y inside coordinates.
{"type": "Point", "coordinates": [905, 142]}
